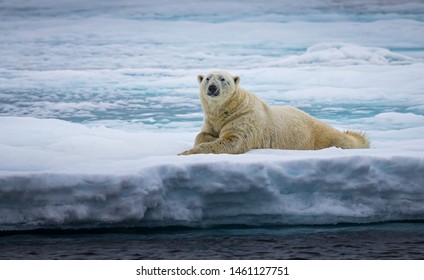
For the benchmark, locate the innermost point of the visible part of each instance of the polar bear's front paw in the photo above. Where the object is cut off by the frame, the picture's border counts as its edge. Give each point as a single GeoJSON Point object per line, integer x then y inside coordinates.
{"type": "Point", "coordinates": [190, 152]}
{"type": "Point", "coordinates": [186, 153]}
{"type": "Point", "coordinates": [199, 149]}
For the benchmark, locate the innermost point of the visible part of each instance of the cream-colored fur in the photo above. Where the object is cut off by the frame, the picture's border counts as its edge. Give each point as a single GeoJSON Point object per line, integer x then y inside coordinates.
{"type": "Point", "coordinates": [236, 121]}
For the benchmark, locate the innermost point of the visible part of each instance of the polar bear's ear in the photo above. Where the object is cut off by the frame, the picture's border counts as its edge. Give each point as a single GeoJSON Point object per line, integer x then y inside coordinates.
{"type": "Point", "coordinates": [236, 80]}
{"type": "Point", "coordinates": [200, 78]}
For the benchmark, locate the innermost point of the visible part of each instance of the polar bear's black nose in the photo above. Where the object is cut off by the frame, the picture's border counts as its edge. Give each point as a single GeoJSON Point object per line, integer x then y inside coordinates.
{"type": "Point", "coordinates": [213, 90]}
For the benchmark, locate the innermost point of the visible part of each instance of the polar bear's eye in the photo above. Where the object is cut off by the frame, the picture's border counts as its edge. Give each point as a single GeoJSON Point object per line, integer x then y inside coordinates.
{"type": "Point", "coordinates": [222, 80]}
{"type": "Point", "coordinates": [207, 79]}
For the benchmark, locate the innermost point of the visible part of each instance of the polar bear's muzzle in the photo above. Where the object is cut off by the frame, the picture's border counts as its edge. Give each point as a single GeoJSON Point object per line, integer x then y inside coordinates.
{"type": "Point", "coordinates": [213, 90]}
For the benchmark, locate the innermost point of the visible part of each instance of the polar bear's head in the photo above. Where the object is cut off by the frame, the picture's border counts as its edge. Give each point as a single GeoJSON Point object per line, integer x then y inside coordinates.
{"type": "Point", "coordinates": [218, 85]}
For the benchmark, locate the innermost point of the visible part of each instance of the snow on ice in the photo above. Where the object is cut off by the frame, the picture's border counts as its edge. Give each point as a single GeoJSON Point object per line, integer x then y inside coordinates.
{"type": "Point", "coordinates": [60, 174]}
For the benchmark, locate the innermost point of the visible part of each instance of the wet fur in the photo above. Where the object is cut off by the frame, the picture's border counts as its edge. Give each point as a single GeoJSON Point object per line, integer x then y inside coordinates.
{"type": "Point", "coordinates": [237, 121]}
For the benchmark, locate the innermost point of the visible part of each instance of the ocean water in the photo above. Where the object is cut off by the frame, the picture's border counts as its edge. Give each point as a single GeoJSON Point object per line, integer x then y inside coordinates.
{"type": "Point", "coordinates": [98, 98]}
{"type": "Point", "coordinates": [355, 242]}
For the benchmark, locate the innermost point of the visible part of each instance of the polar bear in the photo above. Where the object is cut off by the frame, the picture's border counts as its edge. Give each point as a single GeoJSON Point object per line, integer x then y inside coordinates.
{"type": "Point", "coordinates": [236, 121]}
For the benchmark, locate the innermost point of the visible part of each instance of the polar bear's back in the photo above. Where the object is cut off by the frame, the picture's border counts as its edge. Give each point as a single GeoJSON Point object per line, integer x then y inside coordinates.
{"type": "Point", "coordinates": [292, 128]}
{"type": "Point", "coordinates": [298, 130]}
{"type": "Point", "coordinates": [286, 127]}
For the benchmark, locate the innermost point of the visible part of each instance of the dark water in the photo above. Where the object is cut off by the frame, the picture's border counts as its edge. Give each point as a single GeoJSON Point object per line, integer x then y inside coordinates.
{"type": "Point", "coordinates": [378, 241]}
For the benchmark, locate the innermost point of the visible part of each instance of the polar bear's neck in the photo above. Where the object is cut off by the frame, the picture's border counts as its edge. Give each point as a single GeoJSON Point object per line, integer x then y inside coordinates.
{"type": "Point", "coordinates": [220, 113]}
